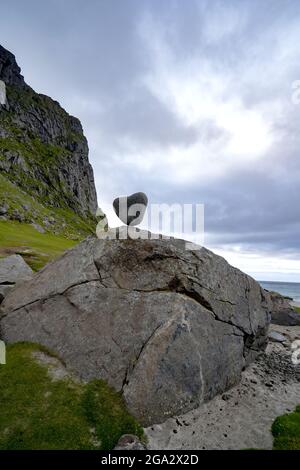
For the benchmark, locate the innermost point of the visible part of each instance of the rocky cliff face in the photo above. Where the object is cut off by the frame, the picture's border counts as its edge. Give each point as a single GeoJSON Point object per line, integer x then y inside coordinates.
{"type": "Point", "coordinates": [42, 148]}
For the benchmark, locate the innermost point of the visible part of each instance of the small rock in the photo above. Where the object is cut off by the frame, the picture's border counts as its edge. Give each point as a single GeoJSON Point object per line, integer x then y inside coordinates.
{"type": "Point", "coordinates": [131, 209]}
{"type": "Point", "coordinates": [16, 215]}
{"type": "Point", "coordinates": [102, 221]}
{"type": "Point", "coordinates": [14, 269]}
{"type": "Point", "coordinates": [129, 442]}
{"type": "Point", "coordinates": [276, 337]}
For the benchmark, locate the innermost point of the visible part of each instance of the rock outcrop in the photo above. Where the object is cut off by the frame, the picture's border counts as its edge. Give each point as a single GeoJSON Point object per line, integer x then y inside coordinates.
{"type": "Point", "coordinates": [282, 313]}
{"type": "Point", "coordinates": [168, 327]}
{"type": "Point", "coordinates": [43, 150]}
{"type": "Point", "coordinates": [13, 269]}
{"type": "Point", "coordinates": [129, 442]}
{"type": "Point", "coordinates": [10, 72]}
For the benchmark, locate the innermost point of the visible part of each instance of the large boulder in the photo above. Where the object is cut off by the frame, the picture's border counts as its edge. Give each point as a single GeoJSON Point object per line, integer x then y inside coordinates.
{"type": "Point", "coordinates": [282, 312]}
{"type": "Point", "coordinates": [13, 269]}
{"type": "Point", "coordinates": [168, 327]}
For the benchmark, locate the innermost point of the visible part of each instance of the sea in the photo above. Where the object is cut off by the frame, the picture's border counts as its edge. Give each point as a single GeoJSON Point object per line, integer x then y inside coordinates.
{"type": "Point", "coordinates": [288, 289]}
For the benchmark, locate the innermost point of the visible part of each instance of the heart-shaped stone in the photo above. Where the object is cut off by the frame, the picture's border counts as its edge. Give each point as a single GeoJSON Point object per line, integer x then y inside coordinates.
{"type": "Point", "coordinates": [131, 209]}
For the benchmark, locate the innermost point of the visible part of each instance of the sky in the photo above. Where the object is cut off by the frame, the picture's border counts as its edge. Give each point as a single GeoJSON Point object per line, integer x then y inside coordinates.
{"type": "Point", "coordinates": [190, 101]}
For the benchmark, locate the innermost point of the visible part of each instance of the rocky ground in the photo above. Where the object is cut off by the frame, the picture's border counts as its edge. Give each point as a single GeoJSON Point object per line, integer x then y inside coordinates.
{"type": "Point", "coordinates": [242, 417]}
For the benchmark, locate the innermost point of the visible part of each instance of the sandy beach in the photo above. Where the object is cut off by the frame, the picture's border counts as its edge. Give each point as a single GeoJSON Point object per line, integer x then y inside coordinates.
{"type": "Point", "coordinates": [242, 417]}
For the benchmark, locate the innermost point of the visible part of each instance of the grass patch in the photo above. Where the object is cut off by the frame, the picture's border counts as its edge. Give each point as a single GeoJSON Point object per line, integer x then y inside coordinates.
{"type": "Point", "coordinates": [297, 309]}
{"type": "Point", "coordinates": [286, 431]}
{"type": "Point", "coordinates": [65, 222]}
{"type": "Point", "coordinates": [36, 248]}
{"type": "Point", "coordinates": [37, 412]}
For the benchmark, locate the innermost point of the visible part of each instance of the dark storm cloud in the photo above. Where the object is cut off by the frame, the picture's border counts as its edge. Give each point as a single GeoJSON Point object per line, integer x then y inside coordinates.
{"type": "Point", "coordinates": [152, 81]}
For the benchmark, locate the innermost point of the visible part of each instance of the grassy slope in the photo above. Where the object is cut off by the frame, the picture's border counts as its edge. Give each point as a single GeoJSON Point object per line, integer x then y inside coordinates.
{"type": "Point", "coordinates": [286, 431]}
{"type": "Point", "coordinates": [36, 248]}
{"type": "Point", "coordinates": [37, 412]}
{"type": "Point", "coordinates": [297, 309]}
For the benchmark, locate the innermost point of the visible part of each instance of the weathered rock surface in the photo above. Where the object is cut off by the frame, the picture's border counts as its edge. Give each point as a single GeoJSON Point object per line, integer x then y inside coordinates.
{"type": "Point", "coordinates": [13, 269]}
{"type": "Point", "coordinates": [43, 149]}
{"type": "Point", "coordinates": [282, 313]}
{"type": "Point", "coordinates": [168, 327]}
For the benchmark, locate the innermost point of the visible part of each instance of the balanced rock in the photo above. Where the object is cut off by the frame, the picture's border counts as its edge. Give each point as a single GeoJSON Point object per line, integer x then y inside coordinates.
{"type": "Point", "coordinates": [168, 327]}
{"type": "Point", "coordinates": [131, 209]}
{"type": "Point", "coordinates": [282, 312]}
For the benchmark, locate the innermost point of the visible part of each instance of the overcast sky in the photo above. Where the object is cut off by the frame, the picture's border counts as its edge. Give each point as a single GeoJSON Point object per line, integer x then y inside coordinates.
{"type": "Point", "coordinates": [189, 101]}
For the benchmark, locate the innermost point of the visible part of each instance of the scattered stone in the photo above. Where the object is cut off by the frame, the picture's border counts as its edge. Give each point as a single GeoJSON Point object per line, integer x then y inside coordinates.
{"type": "Point", "coordinates": [282, 312]}
{"type": "Point", "coordinates": [3, 209]}
{"type": "Point", "coordinates": [38, 227]}
{"type": "Point", "coordinates": [131, 209]}
{"type": "Point", "coordinates": [130, 442]}
{"type": "Point", "coordinates": [14, 269]}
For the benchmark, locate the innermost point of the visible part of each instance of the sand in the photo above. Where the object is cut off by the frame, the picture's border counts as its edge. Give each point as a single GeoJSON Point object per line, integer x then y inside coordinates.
{"type": "Point", "coordinates": [242, 417]}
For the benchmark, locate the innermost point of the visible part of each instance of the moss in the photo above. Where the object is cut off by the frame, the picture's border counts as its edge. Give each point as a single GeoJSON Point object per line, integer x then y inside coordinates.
{"type": "Point", "coordinates": [286, 431]}
{"type": "Point", "coordinates": [37, 412]}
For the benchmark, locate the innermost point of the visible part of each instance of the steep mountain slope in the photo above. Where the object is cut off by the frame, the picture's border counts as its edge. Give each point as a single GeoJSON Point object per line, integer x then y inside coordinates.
{"type": "Point", "coordinates": [45, 174]}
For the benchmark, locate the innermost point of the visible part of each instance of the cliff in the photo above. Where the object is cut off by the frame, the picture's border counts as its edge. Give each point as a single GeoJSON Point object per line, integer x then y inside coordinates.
{"type": "Point", "coordinates": [43, 157]}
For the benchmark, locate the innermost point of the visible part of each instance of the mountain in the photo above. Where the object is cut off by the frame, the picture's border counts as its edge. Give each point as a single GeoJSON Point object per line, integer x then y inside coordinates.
{"type": "Point", "coordinates": [45, 175]}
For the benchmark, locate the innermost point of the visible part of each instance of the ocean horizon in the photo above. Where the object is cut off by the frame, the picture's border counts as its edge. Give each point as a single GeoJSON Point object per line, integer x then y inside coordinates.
{"type": "Point", "coordinates": [288, 289]}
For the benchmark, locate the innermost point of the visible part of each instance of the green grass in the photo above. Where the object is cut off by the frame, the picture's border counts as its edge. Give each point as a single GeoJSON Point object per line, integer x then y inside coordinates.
{"type": "Point", "coordinates": [66, 222]}
{"type": "Point", "coordinates": [297, 309]}
{"type": "Point", "coordinates": [36, 248]}
{"type": "Point", "coordinates": [286, 431]}
{"type": "Point", "coordinates": [37, 412]}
